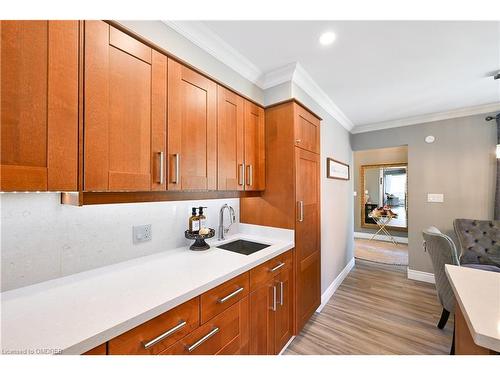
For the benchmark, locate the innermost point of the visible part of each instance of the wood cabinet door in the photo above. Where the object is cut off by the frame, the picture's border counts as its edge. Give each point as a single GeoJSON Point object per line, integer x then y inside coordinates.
{"type": "Point", "coordinates": [262, 319]}
{"type": "Point", "coordinates": [284, 309]}
{"type": "Point", "coordinates": [39, 105]}
{"type": "Point", "coordinates": [307, 234]}
{"type": "Point", "coordinates": [306, 130]}
{"type": "Point", "coordinates": [192, 129]}
{"type": "Point", "coordinates": [124, 105]}
{"type": "Point", "coordinates": [255, 148]}
{"type": "Point", "coordinates": [230, 117]}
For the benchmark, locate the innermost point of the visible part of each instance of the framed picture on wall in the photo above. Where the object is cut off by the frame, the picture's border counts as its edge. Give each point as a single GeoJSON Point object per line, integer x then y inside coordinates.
{"type": "Point", "coordinates": [337, 170]}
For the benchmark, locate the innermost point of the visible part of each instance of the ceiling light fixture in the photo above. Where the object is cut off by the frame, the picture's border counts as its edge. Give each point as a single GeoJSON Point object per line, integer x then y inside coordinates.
{"type": "Point", "coordinates": [327, 38]}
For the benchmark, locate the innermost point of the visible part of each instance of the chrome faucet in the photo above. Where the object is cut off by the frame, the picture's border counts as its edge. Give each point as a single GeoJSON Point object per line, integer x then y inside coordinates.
{"type": "Point", "coordinates": [232, 218]}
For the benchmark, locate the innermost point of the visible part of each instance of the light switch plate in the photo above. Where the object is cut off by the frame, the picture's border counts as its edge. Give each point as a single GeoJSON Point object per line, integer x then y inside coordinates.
{"type": "Point", "coordinates": [435, 198]}
{"type": "Point", "coordinates": [142, 233]}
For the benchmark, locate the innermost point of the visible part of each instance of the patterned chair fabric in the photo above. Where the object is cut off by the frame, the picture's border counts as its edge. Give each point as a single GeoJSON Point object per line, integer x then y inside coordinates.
{"type": "Point", "coordinates": [479, 242]}
{"type": "Point", "coordinates": [442, 251]}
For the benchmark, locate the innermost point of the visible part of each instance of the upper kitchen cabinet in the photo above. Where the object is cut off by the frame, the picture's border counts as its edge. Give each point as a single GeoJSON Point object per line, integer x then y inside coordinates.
{"type": "Point", "coordinates": [306, 130]}
{"type": "Point", "coordinates": [255, 147]}
{"type": "Point", "coordinates": [39, 105]}
{"type": "Point", "coordinates": [230, 159]}
{"type": "Point", "coordinates": [240, 143]}
{"type": "Point", "coordinates": [125, 112]}
{"type": "Point", "coordinates": [192, 129]}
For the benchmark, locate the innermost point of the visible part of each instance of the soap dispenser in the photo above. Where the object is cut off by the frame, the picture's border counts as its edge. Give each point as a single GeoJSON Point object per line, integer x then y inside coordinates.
{"type": "Point", "coordinates": [202, 217]}
{"type": "Point", "coordinates": [194, 222]}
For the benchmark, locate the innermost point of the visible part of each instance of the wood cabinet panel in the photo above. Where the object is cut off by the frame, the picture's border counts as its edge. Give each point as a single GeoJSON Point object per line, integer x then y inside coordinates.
{"type": "Point", "coordinates": [98, 350]}
{"type": "Point", "coordinates": [307, 234]}
{"type": "Point", "coordinates": [230, 136]}
{"type": "Point", "coordinates": [221, 297]}
{"type": "Point", "coordinates": [212, 337]}
{"type": "Point", "coordinates": [307, 131]}
{"type": "Point", "coordinates": [39, 105]}
{"type": "Point", "coordinates": [254, 139]}
{"type": "Point", "coordinates": [119, 108]}
{"type": "Point", "coordinates": [284, 311]}
{"type": "Point", "coordinates": [133, 341]}
{"type": "Point", "coordinates": [262, 319]}
{"type": "Point", "coordinates": [192, 127]}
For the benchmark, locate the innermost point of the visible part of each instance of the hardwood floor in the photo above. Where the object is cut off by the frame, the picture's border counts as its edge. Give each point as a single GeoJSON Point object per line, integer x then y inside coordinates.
{"type": "Point", "coordinates": [381, 251]}
{"type": "Point", "coordinates": [377, 310]}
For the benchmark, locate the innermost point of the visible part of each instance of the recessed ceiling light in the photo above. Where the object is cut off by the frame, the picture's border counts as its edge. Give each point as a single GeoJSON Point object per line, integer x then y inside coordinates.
{"type": "Point", "coordinates": [327, 38]}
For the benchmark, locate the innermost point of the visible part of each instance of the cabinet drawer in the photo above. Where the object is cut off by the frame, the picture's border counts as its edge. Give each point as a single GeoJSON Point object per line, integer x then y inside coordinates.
{"type": "Point", "coordinates": [266, 271]}
{"type": "Point", "coordinates": [221, 297]}
{"type": "Point", "coordinates": [158, 333]}
{"type": "Point", "coordinates": [211, 337]}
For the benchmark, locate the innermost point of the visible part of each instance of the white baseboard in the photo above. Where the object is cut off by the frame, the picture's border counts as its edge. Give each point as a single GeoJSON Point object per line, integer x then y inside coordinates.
{"type": "Point", "coordinates": [325, 297]}
{"type": "Point", "coordinates": [421, 276]}
{"type": "Point", "coordinates": [380, 237]}
{"type": "Point", "coordinates": [286, 345]}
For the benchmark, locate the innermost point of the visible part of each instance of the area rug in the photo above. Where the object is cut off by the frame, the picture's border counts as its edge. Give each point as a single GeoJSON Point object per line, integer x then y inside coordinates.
{"type": "Point", "coordinates": [381, 252]}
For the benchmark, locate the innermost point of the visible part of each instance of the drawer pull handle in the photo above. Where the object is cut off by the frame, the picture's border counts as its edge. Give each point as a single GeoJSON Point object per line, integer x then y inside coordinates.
{"type": "Point", "coordinates": [281, 293]}
{"type": "Point", "coordinates": [229, 296]}
{"type": "Point", "coordinates": [163, 336]}
{"type": "Point", "coordinates": [203, 339]}
{"type": "Point", "coordinates": [241, 174]}
{"type": "Point", "coordinates": [277, 267]}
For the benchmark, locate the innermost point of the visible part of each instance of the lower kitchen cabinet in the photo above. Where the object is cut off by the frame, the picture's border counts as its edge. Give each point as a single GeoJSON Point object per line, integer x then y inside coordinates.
{"type": "Point", "coordinates": [250, 314]}
{"type": "Point", "coordinates": [271, 306]}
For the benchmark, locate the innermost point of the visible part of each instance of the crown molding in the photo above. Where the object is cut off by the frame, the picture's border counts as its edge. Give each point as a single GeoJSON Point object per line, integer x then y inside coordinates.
{"type": "Point", "coordinates": [415, 120]}
{"type": "Point", "coordinates": [202, 36]}
{"type": "Point", "coordinates": [303, 80]}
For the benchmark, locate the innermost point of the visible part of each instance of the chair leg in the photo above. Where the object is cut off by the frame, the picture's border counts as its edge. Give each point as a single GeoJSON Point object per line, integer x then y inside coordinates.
{"type": "Point", "coordinates": [444, 318]}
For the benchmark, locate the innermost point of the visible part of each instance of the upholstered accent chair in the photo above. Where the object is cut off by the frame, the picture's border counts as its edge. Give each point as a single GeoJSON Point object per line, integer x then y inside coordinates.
{"type": "Point", "coordinates": [442, 250]}
{"type": "Point", "coordinates": [479, 242]}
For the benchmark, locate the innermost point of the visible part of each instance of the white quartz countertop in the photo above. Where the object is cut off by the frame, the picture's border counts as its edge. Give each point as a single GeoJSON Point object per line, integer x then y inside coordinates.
{"type": "Point", "coordinates": [478, 294]}
{"type": "Point", "coordinates": [73, 314]}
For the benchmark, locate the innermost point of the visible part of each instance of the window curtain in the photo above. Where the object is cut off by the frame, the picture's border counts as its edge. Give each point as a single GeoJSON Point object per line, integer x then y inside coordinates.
{"type": "Point", "coordinates": [497, 191]}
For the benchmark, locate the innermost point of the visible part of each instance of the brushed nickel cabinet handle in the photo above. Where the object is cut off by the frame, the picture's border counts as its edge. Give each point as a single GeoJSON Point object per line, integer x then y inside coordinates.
{"type": "Point", "coordinates": [203, 339]}
{"type": "Point", "coordinates": [229, 296]}
{"type": "Point", "coordinates": [241, 174]}
{"type": "Point", "coordinates": [301, 211]}
{"type": "Point", "coordinates": [164, 335]}
{"type": "Point", "coordinates": [250, 175]}
{"type": "Point", "coordinates": [162, 162]}
{"type": "Point", "coordinates": [277, 267]}
{"type": "Point", "coordinates": [177, 167]}
{"type": "Point", "coordinates": [274, 298]}
{"type": "Point", "coordinates": [281, 293]}
{"type": "Point", "coordinates": [298, 140]}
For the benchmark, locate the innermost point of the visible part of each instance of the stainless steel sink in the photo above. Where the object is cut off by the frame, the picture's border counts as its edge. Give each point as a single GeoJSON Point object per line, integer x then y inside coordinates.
{"type": "Point", "coordinates": [243, 247]}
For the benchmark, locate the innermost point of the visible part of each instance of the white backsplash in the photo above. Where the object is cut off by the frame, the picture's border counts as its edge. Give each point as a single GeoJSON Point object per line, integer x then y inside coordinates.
{"type": "Point", "coordinates": [42, 239]}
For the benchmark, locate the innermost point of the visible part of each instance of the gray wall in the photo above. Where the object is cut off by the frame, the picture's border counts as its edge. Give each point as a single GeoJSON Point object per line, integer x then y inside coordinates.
{"type": "Point", "coordinates": [386, 155]}
{"type": "Point", "coordinates": [460, 164]}
{"type": "Point", "coordinates": [336, 195]}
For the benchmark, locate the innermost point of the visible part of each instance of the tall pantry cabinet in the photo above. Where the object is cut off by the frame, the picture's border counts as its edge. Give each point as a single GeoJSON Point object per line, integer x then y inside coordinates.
{"type": "Point", "coordinates": [291, 199]}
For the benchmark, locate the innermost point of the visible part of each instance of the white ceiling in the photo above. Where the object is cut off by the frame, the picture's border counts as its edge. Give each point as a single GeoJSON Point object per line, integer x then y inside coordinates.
{"type": "Point", "coordinates": [378, 71]}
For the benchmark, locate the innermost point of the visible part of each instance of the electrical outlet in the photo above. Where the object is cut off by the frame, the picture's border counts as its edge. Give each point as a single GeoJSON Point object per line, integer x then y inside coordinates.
{"type": "Point", "coordinates": [142, 233]}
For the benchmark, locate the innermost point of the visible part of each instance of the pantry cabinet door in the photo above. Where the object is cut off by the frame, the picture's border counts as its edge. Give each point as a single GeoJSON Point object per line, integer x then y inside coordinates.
{"type": "Point", "coordinates": [192, 129]}
{"type": "Point", "coordinates": [124, 106]}
{"type": "Point", "coordinates": [39, 105]}
{"type": "Point", "coordinates": [307, 234]}
{"type": "Point", "coordinates": [230, 116]}
{"type": "Point", "coordinates": [254, 134]}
